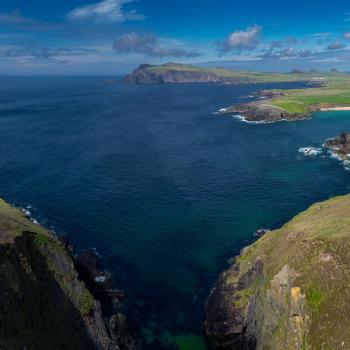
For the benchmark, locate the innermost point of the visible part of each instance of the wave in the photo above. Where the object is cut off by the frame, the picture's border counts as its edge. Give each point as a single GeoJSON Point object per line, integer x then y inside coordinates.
{"type": "Point", "coordinates": [243, 119]}
{"type": "Point", "coordinates": [310, 151]}
{"type": "Point", "coordinates": [29, 215]}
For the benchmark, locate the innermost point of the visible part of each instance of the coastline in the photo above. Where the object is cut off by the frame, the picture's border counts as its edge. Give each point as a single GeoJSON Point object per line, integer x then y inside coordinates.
{"type": "Point", "coordinates": [326, 109]}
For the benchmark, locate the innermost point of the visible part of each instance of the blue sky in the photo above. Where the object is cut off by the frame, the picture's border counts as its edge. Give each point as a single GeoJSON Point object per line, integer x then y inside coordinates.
{"type": "Point", "coordinates": [114, 36]}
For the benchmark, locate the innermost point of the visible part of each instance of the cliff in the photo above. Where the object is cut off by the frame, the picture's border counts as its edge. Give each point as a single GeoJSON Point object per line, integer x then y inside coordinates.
{"type": "Point", "coordinates": [290, 289]}
{"type": "Point", "coordinates": [44, 304]}
{"type": "Point", "coordinates": [170, 73]}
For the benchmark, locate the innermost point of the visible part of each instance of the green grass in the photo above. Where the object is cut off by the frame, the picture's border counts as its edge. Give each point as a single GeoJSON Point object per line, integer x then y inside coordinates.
{"type": "Point", "coordinates": [334, 92]}
{"type": "Point", "coordinates": [292, 106]}
{"type": "Point", "coordinates": [316, 245]}
{"type": "Point", "coordinates": [315, 298]}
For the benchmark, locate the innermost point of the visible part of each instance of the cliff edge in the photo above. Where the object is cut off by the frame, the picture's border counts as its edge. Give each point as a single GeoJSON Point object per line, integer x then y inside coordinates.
{"type": "Point", "coordinates": [290, 289]}
{"type": "Point", "coordinates": [43, 302]}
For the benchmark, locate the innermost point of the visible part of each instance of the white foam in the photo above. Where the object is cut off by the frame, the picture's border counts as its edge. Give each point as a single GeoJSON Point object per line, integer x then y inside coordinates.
{"type": "Point", "coordinates": [26, 212]}
{"type": "Point", "coordinates": [334, 155]}
{"type": "Point", "coordinates": [243, 119]}
{"type": "Point", "coordinates": [310, 151]}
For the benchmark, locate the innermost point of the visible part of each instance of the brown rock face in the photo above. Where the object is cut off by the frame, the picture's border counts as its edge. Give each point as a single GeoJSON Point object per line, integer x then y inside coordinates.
{"type": "Point", "coordinates": [226, 319]}
{"type": "Point", "coordinates": [241, 316]}
{"type": "Point", "coordinates": [340, 145]}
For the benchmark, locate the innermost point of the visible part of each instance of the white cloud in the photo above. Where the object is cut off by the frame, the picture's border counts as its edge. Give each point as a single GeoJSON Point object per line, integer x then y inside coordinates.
{"type": "Point", "coordinates": [247, 39]}
{"type": "Point", "coordinates": [150, 45]}
{"type": "Point", "coordinates": [106, 10]}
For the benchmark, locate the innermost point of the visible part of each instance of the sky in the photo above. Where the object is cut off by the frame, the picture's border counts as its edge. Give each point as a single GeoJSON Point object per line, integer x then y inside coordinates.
{"type": "Point", "coordinates": [111, 37]}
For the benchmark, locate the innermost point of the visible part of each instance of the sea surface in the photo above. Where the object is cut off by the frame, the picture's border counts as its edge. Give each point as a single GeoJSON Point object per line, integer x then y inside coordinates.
{"type": "Point", "coordinates": [164, 190]}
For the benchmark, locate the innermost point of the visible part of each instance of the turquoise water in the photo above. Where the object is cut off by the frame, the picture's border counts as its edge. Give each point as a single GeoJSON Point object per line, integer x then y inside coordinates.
{"type": "Point", "coordinates": [165, 190]}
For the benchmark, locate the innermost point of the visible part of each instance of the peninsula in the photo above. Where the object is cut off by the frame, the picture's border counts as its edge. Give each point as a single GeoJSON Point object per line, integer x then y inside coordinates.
{"type": "Point", "coordinates": [324, 90]}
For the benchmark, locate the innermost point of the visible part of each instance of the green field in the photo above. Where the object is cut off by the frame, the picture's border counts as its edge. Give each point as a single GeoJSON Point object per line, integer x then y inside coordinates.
{"type": "Point", "coordinates": [335, 91]}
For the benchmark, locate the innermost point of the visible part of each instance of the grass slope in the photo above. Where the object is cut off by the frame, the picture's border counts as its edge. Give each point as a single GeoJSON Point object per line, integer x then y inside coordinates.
{"type": "Point", "coordinates": [316, 245]}
{"type": "Point", "coordinates": [334, 92]}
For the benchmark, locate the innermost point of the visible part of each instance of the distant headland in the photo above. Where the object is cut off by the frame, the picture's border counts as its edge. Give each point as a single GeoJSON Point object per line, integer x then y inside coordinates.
{"type": "Point", "coordinates": [170, 73]}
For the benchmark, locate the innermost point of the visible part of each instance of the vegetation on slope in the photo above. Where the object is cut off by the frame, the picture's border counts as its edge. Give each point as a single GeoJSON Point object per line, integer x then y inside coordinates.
{"type": "Point", "coordinates": [43, 303]}
{"type": "Point", "coordinates": [229, 75]}
{"type": "Point", "coordinates": [335, 91]}
{"type": "Point", "coordinates": [301, 293]}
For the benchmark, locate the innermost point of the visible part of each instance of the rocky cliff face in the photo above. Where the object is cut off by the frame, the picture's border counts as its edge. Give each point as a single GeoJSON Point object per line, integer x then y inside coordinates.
{"type": "Point", "coordinates": [44, 304]}
{"type": "Point", "coordinates": [167, 74]}
{"type": "Point", "coordinates": [340, 145]}
{"type": "Point", "coordinates": [289, 290]}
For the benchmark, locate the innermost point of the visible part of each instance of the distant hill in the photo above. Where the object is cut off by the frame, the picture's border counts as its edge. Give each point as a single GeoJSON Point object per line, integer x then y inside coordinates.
{"type": "Point", "coordinates": [182, 73]}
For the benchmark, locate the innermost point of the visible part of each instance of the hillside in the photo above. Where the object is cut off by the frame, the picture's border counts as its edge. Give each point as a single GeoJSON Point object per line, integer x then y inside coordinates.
{"type": "Point", "coordinates": [44, 304]}
{"type": "Point", "coordinates": [182, 73]}
{"type": "Point", "coordinates": [290, 289]}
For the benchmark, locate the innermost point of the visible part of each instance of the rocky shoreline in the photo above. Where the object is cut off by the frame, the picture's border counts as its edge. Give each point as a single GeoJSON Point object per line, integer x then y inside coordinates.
{"type": "Point", "coordinates": [262, 112]}
{"type": "Point", "coordinates": [340, 146]}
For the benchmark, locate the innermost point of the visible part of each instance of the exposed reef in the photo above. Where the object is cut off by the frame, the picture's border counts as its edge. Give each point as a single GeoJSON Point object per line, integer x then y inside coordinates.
{"type": "Point", "coordinates": [288, 290]}
{"type": "Point", "coordinates": [44, 302]}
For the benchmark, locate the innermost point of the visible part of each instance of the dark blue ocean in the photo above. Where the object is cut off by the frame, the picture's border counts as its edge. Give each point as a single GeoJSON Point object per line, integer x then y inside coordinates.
{"type": "Point", "coordinates": [164, 189]}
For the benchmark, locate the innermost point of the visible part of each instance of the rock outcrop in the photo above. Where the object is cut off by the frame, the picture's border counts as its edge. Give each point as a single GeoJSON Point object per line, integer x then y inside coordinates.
{"type": "Point", "coordinates": [289, 290]}
{"type": "Point", "coordinates": [44, 302]}
{"type": "Point", "coordinates": [340, 145]}
{"type": "Point", "coordinates": [263, 112]}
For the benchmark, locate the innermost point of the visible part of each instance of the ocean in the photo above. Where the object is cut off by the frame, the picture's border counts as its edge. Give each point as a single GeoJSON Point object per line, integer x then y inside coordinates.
{"type": "Point", "coordinates": [164, 189]}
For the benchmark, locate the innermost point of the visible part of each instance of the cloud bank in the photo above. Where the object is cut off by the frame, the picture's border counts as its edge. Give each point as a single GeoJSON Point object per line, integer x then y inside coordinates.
{"type": "Point", "coordinates": [149, 45]}
{"type": "Point", "coordinates": [106, 10]}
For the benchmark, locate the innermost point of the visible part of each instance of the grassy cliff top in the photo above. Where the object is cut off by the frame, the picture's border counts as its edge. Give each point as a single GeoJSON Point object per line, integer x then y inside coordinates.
{"type": "Point", "coordinates": [316, 246]}
{"type": "Point", "coordinates": [13, 222]}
